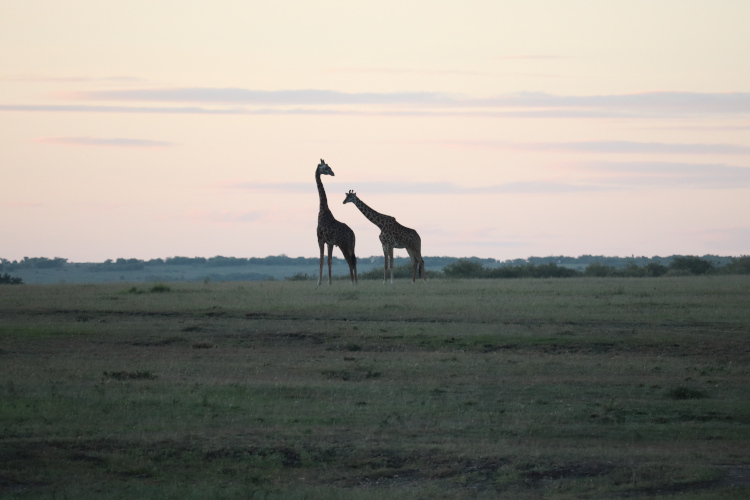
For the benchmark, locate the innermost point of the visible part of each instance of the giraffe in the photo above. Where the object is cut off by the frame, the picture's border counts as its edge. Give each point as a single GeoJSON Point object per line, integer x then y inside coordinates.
{"type": "Point", "coordinates": [393, 235]}
{"type": "Point", "coordinates": [332, 232]}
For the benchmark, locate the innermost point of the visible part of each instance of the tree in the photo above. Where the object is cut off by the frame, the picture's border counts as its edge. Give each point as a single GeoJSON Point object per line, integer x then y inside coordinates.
{"type": "Point", "coordinates": [695, 265]}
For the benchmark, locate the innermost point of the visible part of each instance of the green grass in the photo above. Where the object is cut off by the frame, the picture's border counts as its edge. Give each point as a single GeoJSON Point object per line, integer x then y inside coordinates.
{"type": "Point", "coordinates": [575, 388]}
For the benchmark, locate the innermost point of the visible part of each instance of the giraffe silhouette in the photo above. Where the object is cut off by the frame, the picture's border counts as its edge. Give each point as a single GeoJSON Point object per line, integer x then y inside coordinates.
{"type": "Point", "coordinates": [392, 235]}
{"type": "Point", "coordinates": [332, 232]}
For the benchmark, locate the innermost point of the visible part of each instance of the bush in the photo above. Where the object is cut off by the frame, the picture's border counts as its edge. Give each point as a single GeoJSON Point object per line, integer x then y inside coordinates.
{"type": "Point", "coordinates": [185, 261]}
{"type": "Point", "coordinates": [692, 264]}
{"type": "Point", "coordinates": [471, 269]}
{"type": "Point", "coordinates": [298, 277]}
{"type": "Point", "coordinates": [403, 271]}
{"type": "Point", "coordinates": [550, 271]}
{"type": "Point", "coordinates": [463, 268]}
{"type": "Point", "coordinates": [631, 270]}
{"type": "Point", "coordinates": [654, 269]}
{"type": "Point", "coordinates": [7, 279]}
{"type": "Point", "coordinates": [598, 270]}
{"type": "Point", "coordinates": [160, 288]}
{"type": "Point", "coordinates": [739, 265]}
{"type": "Point", "coordinates": [685, 393]}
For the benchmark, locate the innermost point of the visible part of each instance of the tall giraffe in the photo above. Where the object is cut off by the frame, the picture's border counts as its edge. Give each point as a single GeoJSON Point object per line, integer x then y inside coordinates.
{"type": "Point", "coordinates": [393, 235]}
{"type": "Point", "coordinates": [333, 232]}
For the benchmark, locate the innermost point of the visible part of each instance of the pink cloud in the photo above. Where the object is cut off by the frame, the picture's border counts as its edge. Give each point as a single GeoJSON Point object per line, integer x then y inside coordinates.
{"type": "Point", "coordinates": [224, 217]}
{"type": "Point", "coordinates": [104, 142]}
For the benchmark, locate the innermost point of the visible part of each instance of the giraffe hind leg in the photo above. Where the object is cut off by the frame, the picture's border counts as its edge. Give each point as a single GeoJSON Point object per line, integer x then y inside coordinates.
{"type": "Point", "coordinates": [390, 256]}
{"type": "Point", "coordinates": [330, 260]}
{"type": "Point", "coordinates": [414, 264]}
{"type": "Point", "coordinates": [351, 260]}
{"type": "Point", "coordinates": [385, 263]}
{"type": "Point", "coordinates": [320, 274]}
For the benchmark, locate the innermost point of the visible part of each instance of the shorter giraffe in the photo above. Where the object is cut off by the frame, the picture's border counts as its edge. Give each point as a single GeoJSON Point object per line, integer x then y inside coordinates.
{"type": "Point", "coordinates": [332, 232]}
{"type": "Point", "coordinates": [393, 235]}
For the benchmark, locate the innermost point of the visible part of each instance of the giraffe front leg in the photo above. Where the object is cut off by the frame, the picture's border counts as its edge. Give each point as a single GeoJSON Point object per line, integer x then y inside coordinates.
{"type": "Point", "coordinates": [330, 260]}
{"type": "Point", "coordinates": [390, 255]}
{"type": "Point", "coordinates": [385, 264]}
{"type": "Point", "coordinates": [320, 274]}
{"type": "Point", "coordinates": [413, 265]}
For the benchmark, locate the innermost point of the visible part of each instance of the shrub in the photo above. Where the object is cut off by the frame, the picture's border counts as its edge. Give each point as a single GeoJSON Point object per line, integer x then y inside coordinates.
{"type": "Point", "coordinates": [550, 270]}
{"type": "Point", "coordinates": [137, 375]}
{"type": "Point", "coordinates": [463, 268]}
{"type": "Point", "coordinates": [695, 265]}
{"type": "Point", "coordinates": [299, 277]}
{"type": "Point", "coordinates": [655, 269]}
{"type": "Point", "coordinates": [472, 269]}
{"type": "Point", "coordinates": [598, 270]}
{"type": "Point", "coordinates": [685, 393]}
{"type": "Point", "coordinates": [160, 288]}
{"type": "Point", "coordinates": [404, 271]}
{"type": "Point", "coordinates": [7, 279]}
{"type": "Point", "coordinates": [184, 261]}
{"type": "Point", "coordinates": [739, 265]}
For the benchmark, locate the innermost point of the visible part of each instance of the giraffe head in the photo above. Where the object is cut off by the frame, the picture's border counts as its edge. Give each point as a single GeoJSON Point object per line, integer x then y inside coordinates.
{"type": "Point", "coordinates": [350, 197]}
{"type": "Point", "coordinates": [324, 169]}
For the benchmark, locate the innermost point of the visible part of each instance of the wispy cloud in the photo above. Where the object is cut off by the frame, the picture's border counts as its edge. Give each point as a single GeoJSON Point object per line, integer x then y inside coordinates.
{"type": "Point", "coordinates": [665, 175]}
{"type": "Point", "coordinates": [82, 108]}
{"type": "Point", "coordinates": [648, 102]}
{"type": "Point", "coordinates": [618, 147]}
{"type": "Point", "coordinates": [531, 57]}
{"type": "Point", "coordinates": [21, 204]}
{"type": "Point", "coordinates": [580, 178]}
{"type": "Point", "coordinates": [262, 97]}
{"type": "Point", "coordinates": [224, 217]}
{"type": "Point", "coordinates": [78, 108]}
{"type": "Point", "coordinates": [71, 79]}
{"type": "Point", "coordinates": [107, 142]}
{"type": "Point", "coordinates": [314, 101]}
{"type": "Point", "coordinates": [410, 71]}
{"type": "Point", "coordinates": [398, 187]}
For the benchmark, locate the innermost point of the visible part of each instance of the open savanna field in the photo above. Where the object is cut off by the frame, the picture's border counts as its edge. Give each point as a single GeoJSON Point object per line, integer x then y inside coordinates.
{"type": "Point", "coordinates": [559, 388]}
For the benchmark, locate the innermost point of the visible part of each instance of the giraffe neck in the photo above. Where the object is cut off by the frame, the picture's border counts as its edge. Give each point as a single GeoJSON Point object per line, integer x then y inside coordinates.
{"type": "Point", "coordinates": [321, 194]}
{"type": "Point", "coordinates": [375, 217]}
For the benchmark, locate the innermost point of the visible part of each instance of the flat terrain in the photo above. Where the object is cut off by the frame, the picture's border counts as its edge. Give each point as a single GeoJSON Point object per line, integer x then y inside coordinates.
{"type": "Point", "coordinates": [570, 388]}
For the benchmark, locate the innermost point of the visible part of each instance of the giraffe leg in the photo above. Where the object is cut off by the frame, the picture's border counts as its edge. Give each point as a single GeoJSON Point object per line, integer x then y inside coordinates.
{"type": "Point", "coordinates": [351, 260]}
{"type": "Point", "coordinates": [320, 275]}
{"type": "Point", "coordinates": [385, 262]}
{"type": "Point", "coordinates": [330, 260]}
{"type": "Point", "coordinates": [414, 265]}
{"type": "Point", "coordinates": [353, 269]}
{"type": "Point", "coordinates": [420, 262]}
{"type": "Point", "coordinates": [390, 255]}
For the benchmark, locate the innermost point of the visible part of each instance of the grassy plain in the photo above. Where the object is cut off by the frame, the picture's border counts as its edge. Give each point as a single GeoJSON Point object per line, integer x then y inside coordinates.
{"type": "Point", "coordinates": [570, 388]}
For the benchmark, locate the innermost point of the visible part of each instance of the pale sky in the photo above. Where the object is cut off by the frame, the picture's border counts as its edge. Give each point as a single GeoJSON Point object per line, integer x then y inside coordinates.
{"type": "Point", "coordinates": [495, 129]}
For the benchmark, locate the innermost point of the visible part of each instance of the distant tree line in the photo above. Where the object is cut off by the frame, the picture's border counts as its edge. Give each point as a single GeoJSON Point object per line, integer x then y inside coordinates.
{"type": "Point", "coordinates": [440, 267]}
{"type": "Point", "coordinates": [474, 268]}
{"type": "Point", "coordinates": [31, 263]}
{"type": "Point", "coordinates": [678, 266]}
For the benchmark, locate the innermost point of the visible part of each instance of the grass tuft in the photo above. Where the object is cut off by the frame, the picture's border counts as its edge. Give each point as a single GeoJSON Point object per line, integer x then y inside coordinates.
{"type": "Point", "coordinates": [686, 393]}
{"type": "Point", "coordinates": [137, 375]}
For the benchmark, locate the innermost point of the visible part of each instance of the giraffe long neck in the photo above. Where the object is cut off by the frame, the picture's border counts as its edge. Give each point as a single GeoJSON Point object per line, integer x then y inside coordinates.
{"type": "Point", "coordinates": [321, 194]}
{"type": "Point", "coordinates": [375, 217]}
